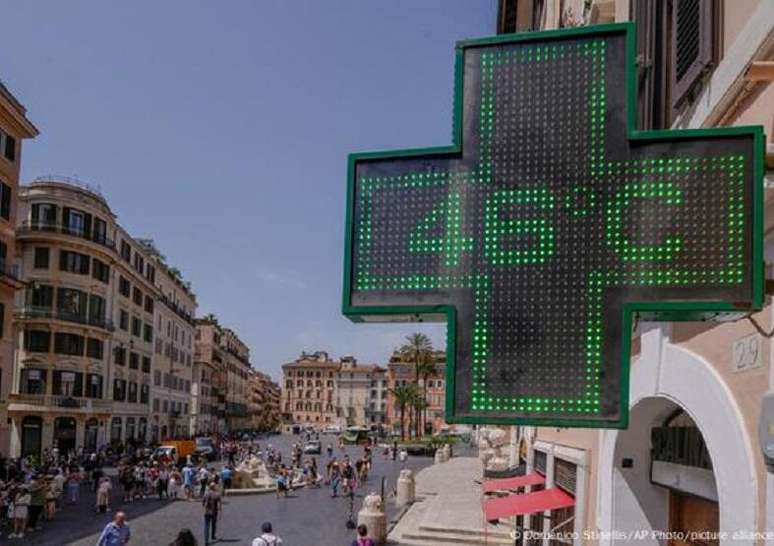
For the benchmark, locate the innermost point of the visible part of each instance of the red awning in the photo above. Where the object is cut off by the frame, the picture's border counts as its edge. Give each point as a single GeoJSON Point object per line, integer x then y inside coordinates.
{"type": "Point", "coordinates": [534, 478]}
{"type": "Point", "coordinates": [528, 503]}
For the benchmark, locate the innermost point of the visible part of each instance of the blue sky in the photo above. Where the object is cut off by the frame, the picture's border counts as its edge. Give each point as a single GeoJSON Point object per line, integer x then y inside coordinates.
{"type": "Point", "coordinates": [221, 130]}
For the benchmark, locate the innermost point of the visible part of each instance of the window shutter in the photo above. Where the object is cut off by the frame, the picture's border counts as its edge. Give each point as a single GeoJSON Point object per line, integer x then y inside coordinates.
{"type": "Point", "coordinates": [10, 148]}
{"type": "Point", "coordinates": [693, 45]}
{"type": "Point", "coordinates": [5, 202]}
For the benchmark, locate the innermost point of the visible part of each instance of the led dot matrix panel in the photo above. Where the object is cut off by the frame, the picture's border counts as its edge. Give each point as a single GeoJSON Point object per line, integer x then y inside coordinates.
{"type": "Point", "coordinates": [548, 224]}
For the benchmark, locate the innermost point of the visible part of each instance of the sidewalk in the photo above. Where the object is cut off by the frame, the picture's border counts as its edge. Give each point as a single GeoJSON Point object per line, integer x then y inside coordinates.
{"type": "Point", "coordinates": [448, 509]}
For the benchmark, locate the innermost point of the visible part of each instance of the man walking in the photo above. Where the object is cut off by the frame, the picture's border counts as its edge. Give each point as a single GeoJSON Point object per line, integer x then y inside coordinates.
{"type": "Point", "coordinates": [267, 538]}
{"type": "Point", "coordinates": [211, 503]}
{"type": "Point", "coordinates": [116, 533]}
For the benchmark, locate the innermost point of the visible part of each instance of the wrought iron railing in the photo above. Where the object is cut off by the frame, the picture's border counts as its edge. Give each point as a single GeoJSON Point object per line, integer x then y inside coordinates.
{"type": "Point", "coordinates": [34, 312]}
{"type": "Point", "coordinates": [34, 227]}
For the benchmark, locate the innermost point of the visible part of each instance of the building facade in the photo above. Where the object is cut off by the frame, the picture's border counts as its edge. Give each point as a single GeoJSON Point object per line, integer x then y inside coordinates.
{"type": "Point", "coordinates": [172, 389]}
{"type": "Point", "coordinates": [237, 365]}
{"type": "Point", "coordinates": [309, 395]}
{"type": "Point", "coordinates": [263, 401]}
{"type": "Point", "coordinates": [14, 129]}
{"type": "Point", "coordinates": [209, 376]}
{"type": "Point", "coordinates": [85, 324]}
{"type": "Point", "coordinates": [691, 458]}
{"type": "Point", "coordinates": [361, 394]}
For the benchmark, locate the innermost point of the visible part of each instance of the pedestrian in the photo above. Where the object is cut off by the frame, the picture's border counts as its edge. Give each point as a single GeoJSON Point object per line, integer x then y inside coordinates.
{"type": "Point", "coordinates": [267, 538]}
{"type": "Point", "coordinates": [226, 475]}
{"type": "Point", "coordinates": [21, 504]}
{"type": "Point", "coordinates": [362, 537]}
{"type": "Point", "coordinates": [188, 477]}
{"type": "Point", "coordinates": [163, 482]}
{"type": "Point", "coordinates": [73, 487]}
{"type": "Point", "coordinates": [330, 450]}
{"type": "Point", "coordinates": [211, 503]}
{"type": "Point", "coordinates": [37, 502]}
{"type": "Point", "coordinates": [103, 495]}
{"type": "Point", "coordinates": [184, 538]}
{"type": "Point", "coordinates": [174, 484]}
{"type": "Point", "coordinates": [115, 533]}
{"type": "Point", "coordinates": [335, 479]}
{"type": "Point", "coordinates": [204, 480]}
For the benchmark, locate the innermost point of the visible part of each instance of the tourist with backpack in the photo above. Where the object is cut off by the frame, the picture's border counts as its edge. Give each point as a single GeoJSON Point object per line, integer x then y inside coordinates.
{"type": "Point", "coordinates": [267, 538]}
{"type": "Point", "coordinates": [362, 537]}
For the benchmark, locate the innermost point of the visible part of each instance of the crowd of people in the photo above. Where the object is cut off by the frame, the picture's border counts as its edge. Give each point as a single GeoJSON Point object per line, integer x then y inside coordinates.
{"type": "Point", "coordinates": [34, 490]}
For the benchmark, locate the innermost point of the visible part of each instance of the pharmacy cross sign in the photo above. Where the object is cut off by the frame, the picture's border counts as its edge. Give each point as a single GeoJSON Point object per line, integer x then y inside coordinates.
{"type": "Point", "coordinates": [550, 225]}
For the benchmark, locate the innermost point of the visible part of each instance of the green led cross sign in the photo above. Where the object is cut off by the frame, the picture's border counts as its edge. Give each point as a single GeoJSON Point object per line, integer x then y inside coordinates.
{"type": "Point", "coordinates": [549, 225]}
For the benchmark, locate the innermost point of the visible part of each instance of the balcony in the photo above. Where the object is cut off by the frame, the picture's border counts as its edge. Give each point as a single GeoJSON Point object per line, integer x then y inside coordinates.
{"type": "Point", "coordinates": [44, 402]}
{"type": "Point", "coordinates": [27, 228]}
{"type": "Point", "coordinates": [30, 312]}
{"type": "Point", "coordinates": [177, 309]}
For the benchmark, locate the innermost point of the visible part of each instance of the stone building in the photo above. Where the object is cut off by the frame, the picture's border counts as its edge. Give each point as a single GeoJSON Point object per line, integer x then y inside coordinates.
{"type": "Point", "coordinates": [361, 394]}
{"type": "Point", "coordinates": [263, 401]}
{"type": "Point", "coordinates": [691, 459]}
{"type": "Point", "coordinates": [85, 322]}
{"type": "Point", "coordinates": [209, 378]}
{"type": "Point", "coordinates": [309, 390]}
{"type": "Point", "coordinates": [400, 373]}
{"type": "Point", "coordinates": [171, 391]}
{"type": "Point", "coordinates": [237, 365]}
{"type": "Point", "coordinates": [14, 128]}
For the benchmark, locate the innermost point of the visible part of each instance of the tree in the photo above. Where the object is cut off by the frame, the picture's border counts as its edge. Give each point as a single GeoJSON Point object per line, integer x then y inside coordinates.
{"type": "Point", "coordinates": [417, 350]}
{"type": "Point", "coordinates": [404, 396]}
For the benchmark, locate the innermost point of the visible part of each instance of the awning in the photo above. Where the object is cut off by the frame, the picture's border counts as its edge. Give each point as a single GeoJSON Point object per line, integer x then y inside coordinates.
{"type": "Point", "coordinates": [534, 478]}
{"type": "Point", "coordinates": [528, 503]}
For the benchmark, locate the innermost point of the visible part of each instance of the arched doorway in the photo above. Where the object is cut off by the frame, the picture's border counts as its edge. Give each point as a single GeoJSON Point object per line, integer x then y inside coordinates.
{"type": "Point", "coordinates": [31, 436]}
{"type": "Point", "coordinates": [64, 434]}
{"type": "Point", "coordinates": [90, 435]}
{"type": "Point", "coordinates": [668, 380]}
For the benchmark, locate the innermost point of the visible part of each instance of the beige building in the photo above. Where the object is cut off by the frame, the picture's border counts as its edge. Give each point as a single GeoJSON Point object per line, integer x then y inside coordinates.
{"type": "Point", "coordinates": [209, 378]}
{"type": "Point", "coordinates": [361, 394]}
{"type": "Point", "coordinates": [237, 365]}
{"type": "Point", "coordinates": [263, 401]}
{"type": "Point", "coordinates": [691, 459]}
{"type": "Point", "coordinates": [14, 128]}
{"type": "Point", "coordinates": [309, 391]}
{"type": "Point", "coordinates": [85, 323]}
{"type": "Point", "coordinates": [172, 390]}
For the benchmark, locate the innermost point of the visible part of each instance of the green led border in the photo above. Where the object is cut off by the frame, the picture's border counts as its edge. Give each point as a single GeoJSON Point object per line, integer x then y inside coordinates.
{"type": "Point", "coordinates": [675, 311]}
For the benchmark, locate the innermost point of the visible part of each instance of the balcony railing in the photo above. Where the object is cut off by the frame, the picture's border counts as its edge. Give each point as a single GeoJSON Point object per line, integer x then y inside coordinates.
{"type": "Point", "coordinates": [32, 227]}
{"type": "Point", "coordinates": [33, 312]}
{"type": "Point", "coordinates": [59, 401]}
{"type": "Point", "coordinates": [177, 309]}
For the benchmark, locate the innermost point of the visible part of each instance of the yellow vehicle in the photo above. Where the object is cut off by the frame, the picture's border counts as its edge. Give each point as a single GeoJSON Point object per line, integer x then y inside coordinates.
{"type": "Point", "coordinates": [176, 451]}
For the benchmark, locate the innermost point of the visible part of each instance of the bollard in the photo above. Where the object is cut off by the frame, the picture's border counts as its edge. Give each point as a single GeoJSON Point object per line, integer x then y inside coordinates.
{"type": "Point", "coordinates": [438, 456]}
{"type": "Point", "coordinates": [406, 488]}
{"type": "Point", "coordinates": [372, 516]}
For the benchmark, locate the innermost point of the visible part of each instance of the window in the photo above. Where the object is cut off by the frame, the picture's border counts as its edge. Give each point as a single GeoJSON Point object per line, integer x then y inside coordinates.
{"type": "Point", "coordinates": [73, 262]}
{"type": "Point", "coordinates": [8, 146]}
{"type": "Point", "coordinates": [166, 406]}
{"type": "Point", "coordinates": [33, 381]}
{"type": "Point", "coordinates": [156, 404]}
{"type": "Point", "coordinates": [120, 356]}
{"type": "Point", "coordinates": [67, 383]}
{"type": "Point", "coordinates": [677, 45]}
{"type": "Point", "coordinates": [124, 287]}
{"type": "Point", "coordinates": [68, 344]}
{"type": "Point", "coordinates": [43, 215]}
{"type": "Point", "coordinates": [42, 295]}
{"type": "Point", "coordinates": [134, 361]}
{"type": "Point", "coordinates": [123, 320]}
{"type": "Point", "coordinates": [136, 327]}
{"type": "Point", "coordinates": [132, 393]}
{"type": "Point", "coordinates": [144, 394]}
{"type": "Point", "coordinates": [157, 378]}
{"type": "Point", "coordinates": [146, 364]}
{"type": "Point", "coordinates": [126, 251]}
{"type": "Point", "coordinates": [148, 333]}
{"type": "Point", "coordinates": [76, 222]}
{"type": "Point", "coordinates": [37, 341]}
{"type": "Point", "coordinates": [150, 273]}
{"type": "Point", "coordinates": [71, 304]}
{"type": "Point", "coordinates": [96, 309]}
{"type": "Point", "coordinates": [100, 231]}
{"type": "Point", "coordinates": [119, 390]}
{"type": "Point", "coordinates": [148, 304]}
{"type": "Point", "coordinates": [93, 386]}
{"type": "Point", "coordinates": [100, 271]}
{"type": "Point", "coordinates": [137, 296]}
{"type": "Point", "coordinates": [94, 348]}
{"type": "Point", "coordinates": [5, 201]}
{"type": "Point", "coordinates": [41, 257]}
{"type": "Point", "coordinates": [139, 263]}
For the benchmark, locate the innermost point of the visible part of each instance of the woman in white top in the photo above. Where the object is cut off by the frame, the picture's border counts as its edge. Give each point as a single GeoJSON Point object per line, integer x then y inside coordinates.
{"type": "Point", "coordinates": [20, 504]}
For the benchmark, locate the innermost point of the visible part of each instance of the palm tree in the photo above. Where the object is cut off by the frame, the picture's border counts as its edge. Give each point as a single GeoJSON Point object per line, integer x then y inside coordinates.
{"type": "Point", "coordinates": [404, 397]}
{"type": "Point", "coordinates": [418, 350]}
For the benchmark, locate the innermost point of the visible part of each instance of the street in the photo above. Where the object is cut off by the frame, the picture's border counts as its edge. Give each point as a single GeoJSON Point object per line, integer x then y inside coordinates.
{"type": "Point", "coordinates": [309, 516]}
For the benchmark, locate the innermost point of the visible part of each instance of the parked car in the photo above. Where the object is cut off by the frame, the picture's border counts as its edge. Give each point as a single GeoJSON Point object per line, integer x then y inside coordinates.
{"type": "Point", "coordinates": [332, 429]}
{"type": "Point", "coordinates": [313, 448]}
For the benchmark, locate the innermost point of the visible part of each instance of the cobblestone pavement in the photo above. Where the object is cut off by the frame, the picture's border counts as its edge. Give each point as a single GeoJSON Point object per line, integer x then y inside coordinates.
{"type": "Point", "coordinates": [309, 517]}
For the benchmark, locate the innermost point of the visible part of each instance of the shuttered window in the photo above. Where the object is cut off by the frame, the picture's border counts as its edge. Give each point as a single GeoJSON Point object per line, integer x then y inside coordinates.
{"type": "Point", "coordinates": [565, 475]}
{"type": "Point", "coordinates": [694, 44]}
{"type": "Point", "coordinates": [540, 462]}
